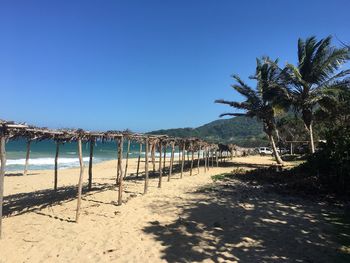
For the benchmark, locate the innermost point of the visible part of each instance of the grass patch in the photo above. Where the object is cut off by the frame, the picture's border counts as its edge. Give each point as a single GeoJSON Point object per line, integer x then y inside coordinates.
{"type": "Point", "coordinates": [225, 176]}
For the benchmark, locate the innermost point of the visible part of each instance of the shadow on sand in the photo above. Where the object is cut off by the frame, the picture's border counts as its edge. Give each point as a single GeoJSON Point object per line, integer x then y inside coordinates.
{"type": "Point", "coordinates": [22, 203]}
{"type": "Point", "coordinates": [236, 221]}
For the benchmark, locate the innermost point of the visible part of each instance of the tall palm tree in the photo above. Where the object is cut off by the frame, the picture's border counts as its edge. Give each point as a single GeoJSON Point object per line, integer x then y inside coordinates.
{"type": "Point", "coordinates": [317, 70]}
{"type": "Point", "coordinates": [256, 105]}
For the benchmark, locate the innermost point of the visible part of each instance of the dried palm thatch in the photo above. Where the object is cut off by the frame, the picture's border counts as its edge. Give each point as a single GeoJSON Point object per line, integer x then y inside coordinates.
{"type": "Point", "coordinates": [10, 130]}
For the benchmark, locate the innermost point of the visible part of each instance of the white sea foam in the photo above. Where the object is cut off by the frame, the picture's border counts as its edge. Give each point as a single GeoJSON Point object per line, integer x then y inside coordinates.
{"type": "Point", "coordinates": [45, 161]}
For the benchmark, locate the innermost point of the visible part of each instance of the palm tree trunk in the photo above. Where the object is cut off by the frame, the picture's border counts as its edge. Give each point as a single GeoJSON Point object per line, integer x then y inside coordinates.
{"type": "Point", "coordinates": [312, 144]}
{"type": "Point", "coordinates": [274, 150]}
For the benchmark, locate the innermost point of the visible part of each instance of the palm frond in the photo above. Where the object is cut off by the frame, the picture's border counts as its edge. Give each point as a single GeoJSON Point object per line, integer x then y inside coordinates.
{"type": "Point", "coordinates": [232, 114]}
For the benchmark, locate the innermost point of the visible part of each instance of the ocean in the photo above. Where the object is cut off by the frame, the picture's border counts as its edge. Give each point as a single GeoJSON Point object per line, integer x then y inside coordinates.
{"type": "Point", "coordinates": [42, 154]}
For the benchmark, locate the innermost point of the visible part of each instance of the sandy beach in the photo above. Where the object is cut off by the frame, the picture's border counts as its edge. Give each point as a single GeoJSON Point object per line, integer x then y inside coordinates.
{"type": "Point", "coordinates": [187, 220]}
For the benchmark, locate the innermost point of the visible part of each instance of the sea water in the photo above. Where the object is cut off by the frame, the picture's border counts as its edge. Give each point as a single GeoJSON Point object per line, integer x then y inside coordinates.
{"type": "Point", "coordinates": [42, 154]}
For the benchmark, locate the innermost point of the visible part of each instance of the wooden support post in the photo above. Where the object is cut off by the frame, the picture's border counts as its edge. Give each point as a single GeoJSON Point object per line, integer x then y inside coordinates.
{"type": "Point", "coordinates": [160, 165]}
{"type": "Point", "coordinates": [80, 183]}
{"type": "Point", "coordinates": [205, 159]}
{"type": "Point", "coordinates": [154, 156]}
{"type": "Point", "coordinates": [212, 158]}
{"type": "Point", "coordinates": [120, 158]}
{"type": "Point", "coordinates": [2, 176]}
{"type": "Point", "coordinates": [192, 156]}
{"type": "Point", "coordinates": [179, 155]}
{"type": "Point", "coordinates": [164, 159]}
{"type": "Point", "coordinates": [118, 163]}
{"type": "Point", "coordinates": [146, 166]}
{"type": "Point", "coordinates": [217, 158]}
{"type": "Point", "coordinates": [291, 148]}
{"type": "Point", "coordinates": [183, 160]}
{"type": "Point", "coordinates": [27, 158]}
{"type": "Point", "coordinates": [171, 160]}
{"type": "Point", "coordinates": [138, 161]}
{"type": "Point", "coordinates": [92, 142]}
{"type": "Point", "coordinates": [56, 166]}
{"type": "Point", "coordinates": [199, 159]}
{"type": "Point", "coordinates": [208, 159]}
{"type": "Point", "coordinates": [127, 159]}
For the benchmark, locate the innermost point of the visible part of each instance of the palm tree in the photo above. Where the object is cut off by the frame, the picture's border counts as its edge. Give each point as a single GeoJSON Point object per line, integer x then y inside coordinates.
{"type": "Point", "coordinates": [317, 70]}
{"type": "Point", "coordinates": [256, 103]}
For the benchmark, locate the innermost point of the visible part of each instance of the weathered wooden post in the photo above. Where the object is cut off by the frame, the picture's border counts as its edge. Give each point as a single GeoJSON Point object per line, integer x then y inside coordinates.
{"type": "Point", "coordinates": [120, 157]}
{"type": "Point", "coordinates": [127, 159]}
{"type": "Point", "coordinates": [160, 164]}
{"type": "Point", "coordinates": [2, 174]}
{"type": "Point", "coordinates": [27, 158]}
{"type": "Point", "coordinates": [171, 160]}
{"type": "Point", "coordinates": [80, 183]}
{"type": "Point", "coordinates": [164, 159]}
{"type": "Point", "coordinates": [146, 165]}
{"type": "Point", "coordinates": [118, 162]}
{"type": "Point", "coordinates": [199, 159]}
{"type": "Point", "coordinates": [92, 142]}
{"type": "Point", "coordinates": [56, 165]}
{"type": "Point", "coordinates": [183, 160]}
{"type": "Point", "coordinates": [212, 158]}
{"type": "Point", "coordinates": [191, 159]}
{"type": "Point", "coordinates": [154, 156]}
{"type": "Point", "coordinates": [205, 158]}
{"type": "Point", "coordinates": [217, 159]}
{"type": "Point", "coordinates": [138, 161]}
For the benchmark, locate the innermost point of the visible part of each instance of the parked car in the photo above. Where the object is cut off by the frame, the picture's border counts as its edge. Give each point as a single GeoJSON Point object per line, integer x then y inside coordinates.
{"type": "Point", "coordinates": [264, 151]}
{"type": "Point", "coordinates": [282, 151]}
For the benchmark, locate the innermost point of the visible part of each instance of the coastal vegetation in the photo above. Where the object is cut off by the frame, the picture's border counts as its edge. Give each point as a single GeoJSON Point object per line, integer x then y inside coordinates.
{"type": "Point", "coordinates": [313, 93]}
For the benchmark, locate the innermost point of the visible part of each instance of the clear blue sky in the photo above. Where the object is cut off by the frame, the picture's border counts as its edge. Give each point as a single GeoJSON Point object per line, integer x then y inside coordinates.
{"type": "Point", "coordinates": [144, 65]}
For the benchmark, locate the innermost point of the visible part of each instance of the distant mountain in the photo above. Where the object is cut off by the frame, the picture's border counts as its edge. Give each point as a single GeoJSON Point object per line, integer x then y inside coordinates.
{"type": "Point", "coordinates": [242, 131]}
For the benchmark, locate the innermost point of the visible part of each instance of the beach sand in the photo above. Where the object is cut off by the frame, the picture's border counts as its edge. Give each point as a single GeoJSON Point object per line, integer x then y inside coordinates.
{"type": "Point", "coordinates": [184, 221]}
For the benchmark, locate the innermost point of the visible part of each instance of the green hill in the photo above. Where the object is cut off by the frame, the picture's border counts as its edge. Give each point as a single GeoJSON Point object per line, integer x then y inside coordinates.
{"type": "Point", "coordinates": [242, 131]}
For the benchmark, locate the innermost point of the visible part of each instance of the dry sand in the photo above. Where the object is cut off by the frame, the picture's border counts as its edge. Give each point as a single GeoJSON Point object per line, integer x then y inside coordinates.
{"type": "Point", "coordinates": [187, 220]}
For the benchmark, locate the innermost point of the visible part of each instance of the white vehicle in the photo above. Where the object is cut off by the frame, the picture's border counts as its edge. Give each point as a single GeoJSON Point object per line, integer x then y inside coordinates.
{"type": "Point", "coordinates": [264, 151]}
